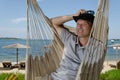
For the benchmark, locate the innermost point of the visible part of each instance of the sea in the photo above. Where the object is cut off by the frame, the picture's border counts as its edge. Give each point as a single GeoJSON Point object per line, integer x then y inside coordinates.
{"type": "Point", "coordinates": [9, 54]}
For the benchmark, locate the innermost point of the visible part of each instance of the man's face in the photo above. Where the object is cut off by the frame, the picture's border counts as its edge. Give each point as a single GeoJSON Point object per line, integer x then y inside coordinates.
{"type": "Point", "coordinates": [83, 28]}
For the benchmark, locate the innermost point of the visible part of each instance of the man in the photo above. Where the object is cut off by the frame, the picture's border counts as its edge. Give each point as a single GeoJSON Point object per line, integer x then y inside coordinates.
{"type": "Point", "coordinates": [74, 46]}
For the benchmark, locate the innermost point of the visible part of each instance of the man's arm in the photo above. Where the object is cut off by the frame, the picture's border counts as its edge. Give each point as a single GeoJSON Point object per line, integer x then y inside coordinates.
{"type": "Point", "coordinates": [59, 21]}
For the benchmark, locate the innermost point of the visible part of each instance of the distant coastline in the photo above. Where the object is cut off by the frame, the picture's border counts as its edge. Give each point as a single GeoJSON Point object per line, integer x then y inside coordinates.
{"type": "Point", "coordinates": [10, 38]}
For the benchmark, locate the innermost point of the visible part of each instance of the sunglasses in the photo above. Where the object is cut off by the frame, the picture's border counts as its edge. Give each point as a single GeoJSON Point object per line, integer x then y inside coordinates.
{"type": "Point", "coordinates": [90, 12]}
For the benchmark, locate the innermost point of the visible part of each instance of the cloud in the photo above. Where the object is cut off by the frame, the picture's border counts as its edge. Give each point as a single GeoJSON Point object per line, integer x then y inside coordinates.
{"type": "Point", "coordinates": [19, 20]}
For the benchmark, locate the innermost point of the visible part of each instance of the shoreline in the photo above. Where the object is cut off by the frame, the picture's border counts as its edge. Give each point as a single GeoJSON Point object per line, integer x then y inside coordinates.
{"type": "Point", "coordinates": [106, 67]}
{"type": "Point", "coordinates": [14, 70]}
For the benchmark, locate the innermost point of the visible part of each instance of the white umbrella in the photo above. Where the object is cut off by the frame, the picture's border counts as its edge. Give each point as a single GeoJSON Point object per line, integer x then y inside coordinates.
{"type": "Point", "coordinates": [16, 46]}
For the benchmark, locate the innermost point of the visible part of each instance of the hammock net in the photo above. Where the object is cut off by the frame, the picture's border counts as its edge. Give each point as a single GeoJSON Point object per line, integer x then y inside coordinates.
{"type": "Point", "coordinates": [46, 49]}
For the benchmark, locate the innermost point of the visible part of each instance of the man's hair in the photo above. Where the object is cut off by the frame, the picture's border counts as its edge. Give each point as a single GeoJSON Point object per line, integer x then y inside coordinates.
{"type": "Point", "coordinates": [89, 16]}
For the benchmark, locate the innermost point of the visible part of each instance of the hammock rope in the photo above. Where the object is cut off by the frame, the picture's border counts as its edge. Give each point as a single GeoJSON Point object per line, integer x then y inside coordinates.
{"type": "Point", "coordinates": [41, 60]}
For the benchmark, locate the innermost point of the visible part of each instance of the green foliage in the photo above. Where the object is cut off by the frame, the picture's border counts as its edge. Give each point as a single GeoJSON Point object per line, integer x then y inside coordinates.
{"type": "Point", "coordinates": [21, 76]}
{"type": "Point", "coordinates": [5, 76]}
{"type": "Point", "coordinates": [111, 75]}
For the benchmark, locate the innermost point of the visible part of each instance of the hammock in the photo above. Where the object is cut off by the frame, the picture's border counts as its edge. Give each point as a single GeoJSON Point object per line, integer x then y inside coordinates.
{"type": "Point", "coordinates": [46, 50]}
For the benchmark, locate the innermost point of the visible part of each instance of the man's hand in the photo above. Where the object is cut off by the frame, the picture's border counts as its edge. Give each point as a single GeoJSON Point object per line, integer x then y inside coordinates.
{"type": "Point", "coordinates": [81, 11]}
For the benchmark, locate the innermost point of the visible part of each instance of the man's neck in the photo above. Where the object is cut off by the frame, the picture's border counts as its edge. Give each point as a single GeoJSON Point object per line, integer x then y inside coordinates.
{"type": "Point", "coordinates": [83, 41]}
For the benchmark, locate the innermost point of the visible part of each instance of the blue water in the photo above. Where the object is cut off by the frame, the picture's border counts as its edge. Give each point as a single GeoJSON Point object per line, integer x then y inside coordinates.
{"type": "Point", "coordinates": [111, 53]}
{"type": "Point", "coordinates": [10, 54]}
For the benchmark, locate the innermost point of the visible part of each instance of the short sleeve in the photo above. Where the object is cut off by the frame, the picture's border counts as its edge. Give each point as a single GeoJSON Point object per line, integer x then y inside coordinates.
{"type": "Point", "coordinates": [65, 35]}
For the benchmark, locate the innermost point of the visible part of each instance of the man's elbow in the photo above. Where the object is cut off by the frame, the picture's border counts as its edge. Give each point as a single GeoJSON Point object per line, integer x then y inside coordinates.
{"type": "Point", "coordinates": [53, 21]}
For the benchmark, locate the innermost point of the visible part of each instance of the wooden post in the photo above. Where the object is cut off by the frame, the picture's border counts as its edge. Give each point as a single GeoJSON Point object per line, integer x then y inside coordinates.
{"type": "Point", "coordinates": [116, 55]}
{"type": "Point", "coordinates": [17, 56]}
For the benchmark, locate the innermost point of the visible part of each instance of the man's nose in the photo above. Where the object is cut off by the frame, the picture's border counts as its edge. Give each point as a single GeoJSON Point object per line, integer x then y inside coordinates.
{"type": "Point", "coordinates": [79, 26]}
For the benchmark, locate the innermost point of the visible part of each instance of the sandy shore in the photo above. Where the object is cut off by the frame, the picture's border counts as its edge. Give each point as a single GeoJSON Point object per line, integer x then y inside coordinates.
{"type": "Point", "coordinates": [106, 67]}
{"type": "Point", "coordinates": [15, 70]}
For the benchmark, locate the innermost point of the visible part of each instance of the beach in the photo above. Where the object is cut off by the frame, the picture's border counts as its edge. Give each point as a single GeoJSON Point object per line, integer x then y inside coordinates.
{"type": "Point", "coordinates": [106, 67]}
{"type": "Point", "coordinates": [14, 70]}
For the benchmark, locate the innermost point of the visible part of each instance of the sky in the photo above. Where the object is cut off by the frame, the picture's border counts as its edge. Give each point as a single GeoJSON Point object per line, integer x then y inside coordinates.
{"type": "Point", "coordinates": [13, 14]}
